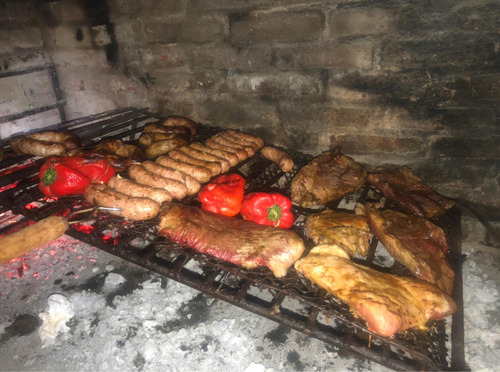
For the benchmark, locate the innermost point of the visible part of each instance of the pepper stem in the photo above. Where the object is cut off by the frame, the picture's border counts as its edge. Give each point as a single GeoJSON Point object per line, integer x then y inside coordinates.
{"type": "Point", "coordinates": [274, 214]}
{"type": "Point", "coordinates": [49, 176]}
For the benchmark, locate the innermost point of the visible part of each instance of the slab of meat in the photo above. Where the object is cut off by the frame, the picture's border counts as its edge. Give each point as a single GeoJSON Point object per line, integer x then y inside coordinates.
{"type": "Point", "coordinates": [415, 242]}
{"type": "Point", "coordinates": [327, 177]}
{"type": "Point", "coordinates": [409, 193]}
{"type": "Point", "coordinates": [235, 240]}
{"type": "Point", "coordinates": [387, 302]}
{"type": "Point", "coordinates": [347, 230]}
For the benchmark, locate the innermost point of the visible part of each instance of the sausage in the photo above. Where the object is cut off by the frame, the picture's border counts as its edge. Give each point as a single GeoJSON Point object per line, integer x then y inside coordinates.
{"type": "Point", "coordinates": [223, 139]}
{"type": "Point", "coordinates": [229, 156]}
{"type": "Point", "coordinates": [177, 154]}
{"type": "Point", "coordinates": [200, 155]}
{"type": "Point", "coordinates": [158, 128]}
{"type": "Point", "coordinates": [24, 145]}
{"type": "Point", "coordinates": [192, 185]}
{"type": "Point", "coordinates": [132, 208]}
{"type": "Point", "coordinates": [206, 157]}
{"type": "Point", "coordinates": [241, 154]}
{"type": "Point", "coordinates": [177, 189]}
{"type": "Point", "coordinates": [247, 137]}
{"type": "Point", "coordinates": [131, 188]}
{"type": "Point", "coordinates": [148, 138]}
{"type": "Point", "coordinates": [130, 152]}
{"type": "Point", "coordinates": [176, 120]}
{"type": "Point", "coordinates": [70, 141]}
{"type": "Point", "coordinates": [163, 147]}
{"type": "Point", "coordinates": [240, 141]}
{"type": "Point", "coordinates": [284, 160]}
{"type": "Point", "coordinates": [201, 174]}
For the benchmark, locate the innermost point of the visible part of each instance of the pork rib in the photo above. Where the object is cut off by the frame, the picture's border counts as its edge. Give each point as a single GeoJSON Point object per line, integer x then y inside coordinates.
{"type": "Point", "coordinates": [409, 193]}
{"type": "Point", "coordinates": [415, 242]}
{"type": "Point", "coordinates": [231, 239]}
{"type": "Point", "coordinates": [387, 302]}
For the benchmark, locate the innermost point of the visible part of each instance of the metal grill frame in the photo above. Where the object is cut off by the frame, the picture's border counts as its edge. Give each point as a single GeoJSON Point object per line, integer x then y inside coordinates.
{"type": "Point", "coordinates": [314, 313]}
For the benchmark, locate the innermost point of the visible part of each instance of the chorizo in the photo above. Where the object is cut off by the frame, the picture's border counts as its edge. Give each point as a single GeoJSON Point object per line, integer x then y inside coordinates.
{"type": "Point", "coordinates": [132, 188]}
{"type": "Point", "coordinates": [199, 173]}
{"type": "Point", "coordinates": [192, 185]}
{"type": "Point", "coordinates": [203, 156]}
{"type": "Point", "coordinates": [176, 120]}
{"type": "Point", "coordinates": [226, 140]}
{"type": "Point", "coordinates": [138, 173]}
{"type": "Point", "coordinates": [281, 158]}
{"type": "Point", "coordinates": [132, 208]}
{"type": "Point", "coordinates": [229, 156]}
{"type": "Point", "coordinates": [178, 154]}
{"type": "Point", "coordinates": [241, 154]}
{"type": "Point", "coordinates": [162, 147]}
{"type": "Point", "coordinates": [247, 137]}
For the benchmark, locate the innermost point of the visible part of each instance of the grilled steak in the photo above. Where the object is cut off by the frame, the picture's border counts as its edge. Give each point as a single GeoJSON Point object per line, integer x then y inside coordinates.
{"type": "Point", "coordinates": [327, 177]}
{"type": "Point", "coordinates": [387, 302]}
{"type": "Point", "coordinates": [238, 241]}
{"type": "Point", "coordinates": [409, 193]}
{"type": "Point", "coordinates": [415, 242]}
{"type": "Point", "coordinates": [347, 230]}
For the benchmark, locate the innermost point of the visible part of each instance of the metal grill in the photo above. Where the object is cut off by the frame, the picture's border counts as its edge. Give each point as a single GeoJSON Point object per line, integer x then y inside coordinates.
{"type": "Point", "coordinates": [292, 301]}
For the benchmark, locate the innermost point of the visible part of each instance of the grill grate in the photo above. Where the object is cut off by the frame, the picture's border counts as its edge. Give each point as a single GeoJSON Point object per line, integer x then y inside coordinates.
{"type": "Point", "coordinates": [291, 301]}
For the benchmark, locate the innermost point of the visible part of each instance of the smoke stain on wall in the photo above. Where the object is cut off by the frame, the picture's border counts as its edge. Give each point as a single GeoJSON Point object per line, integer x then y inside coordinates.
{"type": "Point", "coordinates": [98, 14]}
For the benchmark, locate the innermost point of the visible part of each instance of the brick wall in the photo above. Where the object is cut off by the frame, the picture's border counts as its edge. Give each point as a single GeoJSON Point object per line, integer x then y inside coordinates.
{"type": "Point", "coordinates": [392, 82]}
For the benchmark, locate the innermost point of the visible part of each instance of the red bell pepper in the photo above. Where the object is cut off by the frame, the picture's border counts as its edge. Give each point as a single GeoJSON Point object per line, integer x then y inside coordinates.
{"type": "Point", "coordinates": [71, 175]}
{"type": "Point", "coordinates": [223, 195]}
{"type": "Point", "coordinates": [268, 209]}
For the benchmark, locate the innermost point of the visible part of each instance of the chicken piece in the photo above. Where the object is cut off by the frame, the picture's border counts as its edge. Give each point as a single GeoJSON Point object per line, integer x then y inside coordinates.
{"type": "Point", "coordinates": [387, 302]}
{"type": "Point", "coordinates": [409, 193]}
{"type": "Point", "coordinates": [348, 231]}
{"type": "Point", "coordinates": [415, 242]}
{"type": "Point", "coordinates": [327, 177]}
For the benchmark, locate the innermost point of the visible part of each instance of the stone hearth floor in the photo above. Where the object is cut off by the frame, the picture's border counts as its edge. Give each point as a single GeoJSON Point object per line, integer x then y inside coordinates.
{"type": "Point", "coordinates": [129, 319]}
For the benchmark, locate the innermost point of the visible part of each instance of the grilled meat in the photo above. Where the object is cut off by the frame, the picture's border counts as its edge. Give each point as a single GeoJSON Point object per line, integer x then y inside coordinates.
{"type": "Point", "coordinates": [235, 240]}
{"type": "Point", "coordinates": [132, 188]}
{"type": "Point", "coordinates": [281, 158]}
{"type": "Point", "coordinates": [415, 242]}
{"type": "Point", "coordinates": [327, 177]}
{"type": "Point", "coordinates": [409, 193]}
{"type": "Point", "coordinates": [132, 208]}
{"type": "Point", "coordinates": [387, 302]}
{"type": "Point", "coordinates": [349, 231]}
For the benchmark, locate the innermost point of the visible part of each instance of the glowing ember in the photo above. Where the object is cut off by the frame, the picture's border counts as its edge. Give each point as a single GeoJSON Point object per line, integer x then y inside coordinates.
{"type": "Point", "coordinates": [84, 228]}
{"type": "Point", "coordinates": [7, 187]}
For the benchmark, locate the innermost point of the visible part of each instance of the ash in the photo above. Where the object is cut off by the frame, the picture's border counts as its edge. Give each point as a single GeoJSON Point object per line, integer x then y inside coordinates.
{"type": "Point", "coordinates": [125, 318]}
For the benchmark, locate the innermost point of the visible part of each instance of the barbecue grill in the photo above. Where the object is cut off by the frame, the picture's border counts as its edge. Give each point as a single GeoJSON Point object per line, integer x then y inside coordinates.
{"type": "Point", "coordinates": [291, 301]}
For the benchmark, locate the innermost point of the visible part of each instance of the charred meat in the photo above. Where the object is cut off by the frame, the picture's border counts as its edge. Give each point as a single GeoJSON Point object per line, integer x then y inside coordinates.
{"type": "Point", "coordinates": [415, 242]}
{"type": "Point", "coordinates": [409, 193]}
{"type": "Point", "coordinates": [327, 177]}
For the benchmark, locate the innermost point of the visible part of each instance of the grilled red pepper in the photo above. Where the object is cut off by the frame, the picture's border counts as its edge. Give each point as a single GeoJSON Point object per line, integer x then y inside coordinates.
{"type": "Point", "coordinates": [71, 175]}
{"type": "Point", "coordinates": [267, 209]}
{"type": "Point", "coordinates": [223, 195]}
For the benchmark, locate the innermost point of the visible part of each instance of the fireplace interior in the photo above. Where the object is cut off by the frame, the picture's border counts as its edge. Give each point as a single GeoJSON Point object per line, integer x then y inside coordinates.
{"type": "Point", "coordinates": [393, 83]}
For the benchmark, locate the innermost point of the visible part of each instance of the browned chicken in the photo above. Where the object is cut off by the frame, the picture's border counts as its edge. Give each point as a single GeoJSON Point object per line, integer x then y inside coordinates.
{"type": "Point", "coordinates": [347, 230]}
{"type": "Point", "coordinates": [409, 193]}
{"type": "Point", "coordinates": [387, 302]}
{"type": "Point", "coordinates": [415, 242]}
{"type": "Point", "coordinates": [327, 177]}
